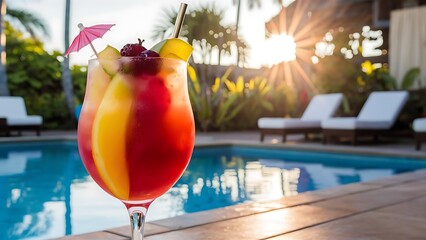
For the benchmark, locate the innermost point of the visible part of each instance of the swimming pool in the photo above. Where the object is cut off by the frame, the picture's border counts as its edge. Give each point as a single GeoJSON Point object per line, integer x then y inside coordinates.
{"type": "Point", "coordinates": [45, 191]}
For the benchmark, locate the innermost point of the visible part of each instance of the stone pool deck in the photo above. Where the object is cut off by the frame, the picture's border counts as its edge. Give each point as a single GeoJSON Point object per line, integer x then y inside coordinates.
{"type": "Point", "coordinates": [389, 208]}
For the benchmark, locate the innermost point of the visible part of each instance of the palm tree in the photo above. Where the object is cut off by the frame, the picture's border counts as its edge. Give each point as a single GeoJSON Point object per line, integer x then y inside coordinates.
{"type": "Point", "coordinates": [4, 90]}
{"type": "Point", "coordinates": [66, 75]}
{"type": "Point", "coordinates": [29, 22]}
{"type": "Point", "coordinates": [203, 29]}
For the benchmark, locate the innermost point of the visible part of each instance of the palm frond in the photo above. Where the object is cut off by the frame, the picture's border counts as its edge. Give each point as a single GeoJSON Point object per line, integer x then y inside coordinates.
{"type": "Point", "coordinates": [164, 28]}
{"type": "Point", "coordinates": [28, 21]}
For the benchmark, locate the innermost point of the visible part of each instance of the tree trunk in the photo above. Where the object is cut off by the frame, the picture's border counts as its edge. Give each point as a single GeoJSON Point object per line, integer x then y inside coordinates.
{"type": "Point", "coordinates": [236, 29]}
{"type": "Point", "coordinates": [4, 89]}
{"type": "Point", "coordinates": [66, 75]}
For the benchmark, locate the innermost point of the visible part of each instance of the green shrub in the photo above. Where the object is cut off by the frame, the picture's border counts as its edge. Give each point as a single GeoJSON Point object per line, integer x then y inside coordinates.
{"type": "Point", "coordinates": [78, 75]}
{"type": "Point", "coordinates": [227, 105]}
{"type": "Point", "coordinates": [253, 94]}
{"type": "Point", "coordinates": [35, 74]}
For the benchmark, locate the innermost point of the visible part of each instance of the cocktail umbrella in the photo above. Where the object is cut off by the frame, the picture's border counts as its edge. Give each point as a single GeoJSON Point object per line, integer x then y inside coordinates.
{"type": "Point", "coordinates": [87, 35]}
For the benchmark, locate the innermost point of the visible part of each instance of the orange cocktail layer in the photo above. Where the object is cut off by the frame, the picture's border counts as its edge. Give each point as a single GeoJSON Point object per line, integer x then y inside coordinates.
{"type": "Point", "coordinates": [136, 131]}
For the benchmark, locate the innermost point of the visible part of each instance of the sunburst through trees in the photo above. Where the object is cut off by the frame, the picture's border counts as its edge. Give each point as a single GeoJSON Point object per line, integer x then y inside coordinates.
{"type": "Point", "coordinates": [294, 32]}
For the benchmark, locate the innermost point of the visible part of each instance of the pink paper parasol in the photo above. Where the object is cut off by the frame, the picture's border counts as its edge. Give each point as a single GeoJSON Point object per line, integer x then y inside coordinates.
{"type": "Point", "coordinates": [87, 35]}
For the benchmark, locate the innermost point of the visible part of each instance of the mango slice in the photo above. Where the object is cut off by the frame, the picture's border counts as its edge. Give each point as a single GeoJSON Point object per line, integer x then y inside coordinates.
{"type": "Point", "coordinates": [173, 48]}
{"type": "Point", "coordinates": [109, 137]}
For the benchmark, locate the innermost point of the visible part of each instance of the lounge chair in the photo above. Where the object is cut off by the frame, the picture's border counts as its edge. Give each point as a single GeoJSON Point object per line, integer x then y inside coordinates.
{"type": "Point", "coordinates": [419, 127]}
{"type": "Point", "coordinates": [13, 116]}
{"type": "Point", "coordinates": [320, 107]}
{"type": "Point", "coordinates": [377, 116]}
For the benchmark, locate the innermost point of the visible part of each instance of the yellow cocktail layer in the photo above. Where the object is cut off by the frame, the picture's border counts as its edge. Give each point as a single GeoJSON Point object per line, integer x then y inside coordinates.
{"type": "Point", "coordinates": [109, 133]}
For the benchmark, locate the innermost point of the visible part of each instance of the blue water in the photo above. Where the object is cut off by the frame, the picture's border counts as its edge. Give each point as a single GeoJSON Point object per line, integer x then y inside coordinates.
{"type": "Point", "coordinates": [45, 191]}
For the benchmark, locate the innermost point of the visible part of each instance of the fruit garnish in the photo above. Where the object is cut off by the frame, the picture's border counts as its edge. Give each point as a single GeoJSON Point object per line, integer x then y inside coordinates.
{"type": "Point", "coordinates": [173, 48]}
{"type": "Point", "coordinates": [107, 58]}
{"type": "Point", "coordinates": [132, 49]}
{"type": "Point", "coordinates": [149, 53]}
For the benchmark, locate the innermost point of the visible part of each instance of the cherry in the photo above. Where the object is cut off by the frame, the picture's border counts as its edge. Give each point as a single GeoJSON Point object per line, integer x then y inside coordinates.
{"type": "Point", "coordinates": [133, 49]}
{"type": "Point", "coordinates": [149, 53]}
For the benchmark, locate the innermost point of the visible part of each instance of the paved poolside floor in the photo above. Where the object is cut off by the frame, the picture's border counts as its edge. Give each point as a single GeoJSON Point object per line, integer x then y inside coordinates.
{"type": "Point", "coordinates": [389, 208]}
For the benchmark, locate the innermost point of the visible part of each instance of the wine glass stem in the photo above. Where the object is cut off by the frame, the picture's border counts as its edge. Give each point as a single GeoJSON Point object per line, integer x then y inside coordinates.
{"type": "Point", "coordinates": [137, 221]}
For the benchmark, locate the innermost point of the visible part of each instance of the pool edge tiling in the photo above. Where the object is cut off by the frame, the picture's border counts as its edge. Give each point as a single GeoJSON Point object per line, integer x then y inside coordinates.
{"type": "Point", "coordinates": [391, 150]}
{"type": "Point", "coordinates": [361, 150]}
{"type": "Point", "coordinates": [362, 210]}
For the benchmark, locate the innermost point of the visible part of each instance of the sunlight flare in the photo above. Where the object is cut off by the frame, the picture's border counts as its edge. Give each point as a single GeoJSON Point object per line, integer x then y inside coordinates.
{"type": "Point", "coordinates": [280, 48]}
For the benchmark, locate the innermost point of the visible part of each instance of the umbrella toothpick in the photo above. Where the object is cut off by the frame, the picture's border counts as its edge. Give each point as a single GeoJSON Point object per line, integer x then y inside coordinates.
{"type": "Point", "coordinates": [94, 50]}
{"type": "Point", "coordinates": [80, 25]}
{"type": "Point", "coordinates": [86, 36]}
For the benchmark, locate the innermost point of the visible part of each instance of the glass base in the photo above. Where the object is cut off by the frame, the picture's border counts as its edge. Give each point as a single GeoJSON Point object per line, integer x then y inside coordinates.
{"type": "Point", "coordinates": [137, 213]}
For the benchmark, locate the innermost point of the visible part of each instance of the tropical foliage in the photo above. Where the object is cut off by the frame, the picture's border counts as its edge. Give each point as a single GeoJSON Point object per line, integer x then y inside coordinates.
{"type": "Point", "coordinates": [379, 78]}
{"type": "Point", "coordinates": [341, 73]}
{"type": "Point", "coordinates": [28, 22]}
{"type": "Point", "coordinates": [221, 105]}
{"type": "Point", "coordinates": [35, 75]}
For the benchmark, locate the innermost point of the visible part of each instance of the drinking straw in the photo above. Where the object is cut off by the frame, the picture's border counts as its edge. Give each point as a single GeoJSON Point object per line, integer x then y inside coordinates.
{"type": "Point", "coordinates": [179, 20]}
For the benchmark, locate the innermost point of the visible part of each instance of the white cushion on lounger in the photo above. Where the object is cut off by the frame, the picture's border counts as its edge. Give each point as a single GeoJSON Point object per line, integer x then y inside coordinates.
{"type": "Point", "coordinates": [30, 120]}
{"type": "Point", "coordinates": [12, 107]}
{"type": "Point", "coordinates": [380, 111]}
{"type": "Point", "coordinates": [419, 125]}
{"type": "Point", "coordinates": [320, 107]}
{"type": "Point", "coordinates": [383, 106]}
{"type": "Point", "coordinates": [280, 123]}
{"type": "Point", "coordinates": [15, 112]}
{"type": "Point", "coordinates": [352, 123]}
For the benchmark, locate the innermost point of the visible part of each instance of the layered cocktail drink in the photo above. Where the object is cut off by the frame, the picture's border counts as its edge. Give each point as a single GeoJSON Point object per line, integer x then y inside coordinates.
{"type": "Point", "coordinates": [136, 128]}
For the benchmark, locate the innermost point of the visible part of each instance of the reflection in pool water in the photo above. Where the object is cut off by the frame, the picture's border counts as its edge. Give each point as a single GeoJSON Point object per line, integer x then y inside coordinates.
{"type": "Point", "coordinates": [45, 191]}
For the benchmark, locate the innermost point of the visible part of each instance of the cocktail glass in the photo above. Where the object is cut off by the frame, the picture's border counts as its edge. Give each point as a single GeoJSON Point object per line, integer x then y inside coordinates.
{"type": "Point", "coordinates": [136, 129]}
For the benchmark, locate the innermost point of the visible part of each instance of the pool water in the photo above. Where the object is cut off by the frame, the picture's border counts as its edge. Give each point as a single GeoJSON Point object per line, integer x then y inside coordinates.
{"type": "Point", "coordinates": [45, 192]}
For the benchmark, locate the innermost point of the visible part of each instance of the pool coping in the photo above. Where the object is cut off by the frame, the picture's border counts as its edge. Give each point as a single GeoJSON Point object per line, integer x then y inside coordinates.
{"type": "Point", "coordinates": [320, 148]}
{"type": "Point", "coordinates": [347, 149]}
